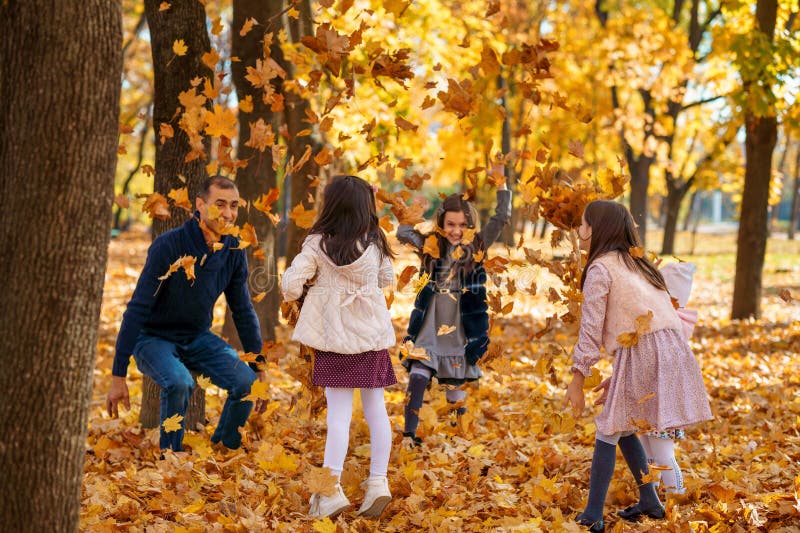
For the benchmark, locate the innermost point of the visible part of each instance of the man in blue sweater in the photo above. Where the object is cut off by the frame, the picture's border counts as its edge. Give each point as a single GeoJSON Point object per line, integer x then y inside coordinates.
{"type": "Point", "coordinates": [166, 326]}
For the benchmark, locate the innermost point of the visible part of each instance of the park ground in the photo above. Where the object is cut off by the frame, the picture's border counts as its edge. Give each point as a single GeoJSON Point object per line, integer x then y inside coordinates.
{"type": "Point", "coordinates": [515, 462]}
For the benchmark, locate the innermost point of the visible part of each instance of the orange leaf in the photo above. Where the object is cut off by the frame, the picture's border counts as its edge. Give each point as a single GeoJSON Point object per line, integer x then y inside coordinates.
{"type": "Point", "coordinates": [303, 218]}
{"type": "Point", "coordinates": [258, 297]}
{"type": "Point", "coordinates": [172, 423]}
{"type": "Point", "coordinates": [181, 198]}
{"type": "Point", "coordinates": [221, 122]}
{"type": "Point", "coordinates": [156, 205]}
{"type": "Point", "coordinates": [405, 276]}
{"type": "Point", "coordinates": [247, 26]}
{"type": "Point", "coordinates": [431, 246]}
{"type": "Point", "coordinates": [165, 131]}
{"type": "Point", "coordinates": [637, 252]}
{"type": "Point", "coordinates": [320, 481]}
{"type": "Point", "coordinates": [179, 47]}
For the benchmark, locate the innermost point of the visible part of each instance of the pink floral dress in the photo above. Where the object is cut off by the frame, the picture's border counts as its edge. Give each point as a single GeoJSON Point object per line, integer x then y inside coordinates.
{"type": "Point", "coordinates": [656, 384]}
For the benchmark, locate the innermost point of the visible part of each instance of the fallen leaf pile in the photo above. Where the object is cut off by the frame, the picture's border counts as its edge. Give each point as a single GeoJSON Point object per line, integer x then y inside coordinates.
{"type": "Point", "coordinates": [514, 462]}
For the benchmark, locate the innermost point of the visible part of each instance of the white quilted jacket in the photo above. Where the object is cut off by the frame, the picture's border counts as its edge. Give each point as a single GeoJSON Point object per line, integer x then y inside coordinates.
{"type": "Point", "coordinates": [345, 310]}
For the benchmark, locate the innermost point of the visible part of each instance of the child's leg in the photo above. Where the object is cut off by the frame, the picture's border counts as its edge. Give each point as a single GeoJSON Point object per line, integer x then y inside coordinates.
{"type": "Point", "coordinates": [603, 461]}
{"type": "Point", "coordinates": [633, 452]}
{"type": "Point", "coordinates": [455, 396]}
{"type": "Point", "coordinates": [417, 382]}
{"type": "Point", "coordinates": [380, 431]}
{"type": "Point", "coordinates": [662, 452]}
{"type": "Point", "coordinates": [340, 411]}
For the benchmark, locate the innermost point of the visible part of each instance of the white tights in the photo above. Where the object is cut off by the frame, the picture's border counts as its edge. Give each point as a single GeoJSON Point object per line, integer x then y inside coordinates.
{"type": "Point", "coordinates": [340, 412]}
{"type": "Point", "coordinates": [662, 452]}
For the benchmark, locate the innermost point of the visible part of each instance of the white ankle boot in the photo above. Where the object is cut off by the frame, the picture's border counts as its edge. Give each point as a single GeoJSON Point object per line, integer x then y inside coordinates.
{"type": "Point", "coordinates": [330, 506]}
{"type": "Point", "coordinates": [377, 497]}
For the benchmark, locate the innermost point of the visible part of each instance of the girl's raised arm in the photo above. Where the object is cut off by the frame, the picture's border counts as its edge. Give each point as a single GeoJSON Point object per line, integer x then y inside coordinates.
{"type": "Point", "coordinates": [408, 235]}
{"type": "Point", "coordinates": [303, 268]}
{"type": "Point", "coordinates": [502, 214]}
{"type": "Point", "coordinates": [593, 316]}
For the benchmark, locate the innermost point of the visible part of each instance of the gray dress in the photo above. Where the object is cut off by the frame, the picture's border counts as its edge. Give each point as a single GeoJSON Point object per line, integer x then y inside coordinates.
{"type": "Point", "coordinates": [446, 352]}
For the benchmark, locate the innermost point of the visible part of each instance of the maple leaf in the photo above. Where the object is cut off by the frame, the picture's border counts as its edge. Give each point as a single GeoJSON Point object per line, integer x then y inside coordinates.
{"type": "Point", "coordinates": [247, 237]}
{"type": "Point", "coordinates": [259, 390]}
{"type": "Point", "coordinates": [181, 198]}
{"type": "Point", "coordinates": [247, 26]}
{"type": "Point", "coordinates": [458, 98]}
{"type": "Point", "coordinates": [221, 122]}
{"type": "Point", "coordinates": [386, 224]}
{"type": "Point", "coordinates": [458, 253]}
{"type": "Point", "coordinates": [421, 282]}
{"type": "Point", "coordinates": [186, 262]}
{"type": "Point", "coordinates": [179, 47]}
{"type": "Point", "coordinates": [415, 181]}
{"type": "Point", "coordinates": [265, 202]}
{"type": "Point", "coordinates": [409, 351]}
{"type": "Point", "coordinates": [405, 276]}
{"type": "Point", "coordinates": [303, 218]}
{"type": "Point", "coordinates": [203, 382]}
{"type": "Point", "coordinates": [261, 135]}
{"type": "Point", "coordinates": [164, 6]}
{"type": "Point", "coordinates": [320, 481]}
{"type": "Point", "coordinates": [324, 525]}
{"type": "Point", "coordinates": [786, 295]}
{"type": "Point", "coordinates": [122, 201]}
{"type": "Point", "coordinates": [642, 325]}
{"type": "Point", "coordinates": [396, 7]}
{"type": "Point", "coordinates": [156, 206]}
{"type": "Point", "coordinates": [210, 59]}
{"type": "Point", "coordinates": [173, 423]}
{"type": "Point", "coordinates": [246, 105]}
{"type": "Point", "coordinates": [444, 329]}
{"type": "Point", "coordinates": [637, 252]}
{"type": "Point", "coordinates": [431, 246]}
{"type": "Point", "coordinates": [190, 99]}
{"type": "Point", "coordinates": [324, 157]}
{"type": "Point", "coordinates": [165, 131]}
{"type": "Point", "coordinates": [576, 148]}
{"type": "Point", "coordinates": [263, 73]}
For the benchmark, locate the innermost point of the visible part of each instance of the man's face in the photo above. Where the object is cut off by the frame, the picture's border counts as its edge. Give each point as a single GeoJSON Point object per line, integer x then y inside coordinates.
{"type": "Point", "coordinates": [219, 211]}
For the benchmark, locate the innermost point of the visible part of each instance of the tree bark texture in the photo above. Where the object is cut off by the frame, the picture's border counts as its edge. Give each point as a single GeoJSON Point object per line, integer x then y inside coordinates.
{"type": "Point", "coordinates": [172, 74]}
{"type": "Point", "coordinates": [60, 65]}
{"type": "Point", "coordinates": [258, 177]}
{"type": "Point", "coordinates": [795, 197]}
{"type": "Point", "coordinates": [751, 244]}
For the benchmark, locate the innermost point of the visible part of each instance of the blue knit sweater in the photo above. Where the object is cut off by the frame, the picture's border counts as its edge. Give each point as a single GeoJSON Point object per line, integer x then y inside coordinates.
{"type": "Point", "coordinates": [178, 309]}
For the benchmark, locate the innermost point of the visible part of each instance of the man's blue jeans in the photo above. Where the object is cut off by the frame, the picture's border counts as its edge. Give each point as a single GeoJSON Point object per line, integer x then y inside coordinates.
{"type": "Point", "coordinates": [170, 363]}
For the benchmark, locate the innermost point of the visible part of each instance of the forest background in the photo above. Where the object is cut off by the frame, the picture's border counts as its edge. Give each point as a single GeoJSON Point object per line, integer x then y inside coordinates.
{"type": "Point", "coordinates": [649, 102]}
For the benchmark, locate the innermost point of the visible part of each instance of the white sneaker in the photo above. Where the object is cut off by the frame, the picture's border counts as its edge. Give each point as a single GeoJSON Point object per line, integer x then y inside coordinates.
{"type": "Point", "coordinates": [330, 506]}
{"type": "Point", "coordinates": [377, 497]}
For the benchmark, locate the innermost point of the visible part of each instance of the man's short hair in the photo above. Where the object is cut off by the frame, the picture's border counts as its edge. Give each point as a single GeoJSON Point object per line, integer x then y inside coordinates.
{"type": "Point", "coordinates": [220, 182]}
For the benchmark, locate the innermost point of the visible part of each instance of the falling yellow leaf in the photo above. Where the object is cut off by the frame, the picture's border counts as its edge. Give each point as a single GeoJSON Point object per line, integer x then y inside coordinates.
{"type": "Point", "coordinates": [203, 382]}
{"type": "Point", "coordinates": [303, 218]}
{"type": "Point", "coordinates": [164, 6]}
{"type": "Point", "coordinates": [173, 423]}
{"type": "Point", "coordinates": [444, 329]}
{"type": "Point", "coordinates": [259, 390]}
{"type": "Point", "coordinates": [247, 236]}
{"type": "Point", "coordinates": [258, 297]}
{"type": "Point", "coordinates": [421, 282]}
{"type": "Point", "coordinates": [185, 262]}
{"type": "Point", "coordinates": [181, 198]}
{"type": "Point", "coordinates": [458, 253]}
{"type": "Point", "coordinates": [156, 206]}
{"type": "Point", "coordinates": [431, 246]}
{"type": "Point", "coordinates": [478, 256]}
{"type": "Point", "coordinates": [210, 59]}
{"type": "Point", "coordinates": [165, 131]}
{"type": "Point", "coordinates": [642, 325]}
{"type": "Point", "coordinates": [247, 26]}
{"type": "Point", "coordinates": [179, 47]}
{"type": "Point", "coordinates": [409, 351]}
{"type": "Point", "coordinates": [386, 224]}
{"type": "Point", "coordinates": [221, 122]}
{"type": "Point", "coordinates": [217, 246]}
{"type": "Point", "coordinates": [637, 252]}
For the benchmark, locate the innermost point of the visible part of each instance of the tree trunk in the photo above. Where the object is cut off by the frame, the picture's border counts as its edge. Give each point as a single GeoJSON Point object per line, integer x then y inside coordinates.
{"type": "Point", "coordinates": [675, 196]}
{"type": "Point", "coordinates": [507, 237]}
{"type": "Point", "coordinates": [258, 177]}
{"type": "Point", "coordinates": [187, 21]}
{"type": "Point", "coordinates": [640, 181]}
{"type": "Point", "coordinates": [751, 244]}
{"type": "Point", "coordinates": [692, 211]}
{"type": "Point", "coordinates": [795, 197]}
{"type": "Point", "coordinates": [294, 113]}
{"type": "Point", "coordinates": [60, 65]}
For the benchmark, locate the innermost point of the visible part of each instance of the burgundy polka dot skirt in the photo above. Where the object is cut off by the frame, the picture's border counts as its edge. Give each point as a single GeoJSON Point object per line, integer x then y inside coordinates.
{"type": "Point", "coordinates": [366, 370]}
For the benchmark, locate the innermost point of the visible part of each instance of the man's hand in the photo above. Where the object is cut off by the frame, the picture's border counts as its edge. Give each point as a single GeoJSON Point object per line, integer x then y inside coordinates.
{"type": "Point", "coordinates": [604, 387]}
{"type": "Point", "coordinates": [118, 392]}
{"type": "Point", "coordinates": [260, 405]}
{"type": "Point", "coordinates": [575, 396]}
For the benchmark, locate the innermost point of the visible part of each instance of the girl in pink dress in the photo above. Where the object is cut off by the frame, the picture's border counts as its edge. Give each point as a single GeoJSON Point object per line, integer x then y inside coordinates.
{"type": "Point", "coordinates": [656, 384]}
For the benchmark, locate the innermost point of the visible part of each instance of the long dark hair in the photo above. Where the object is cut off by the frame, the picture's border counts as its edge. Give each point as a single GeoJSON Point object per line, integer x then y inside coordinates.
{"type": "Point", "coordinates": [455, 203]}
{"type": "Point", "coordinates": [348, 222]}
{"type": "Point", "coordinates": [613, 230]}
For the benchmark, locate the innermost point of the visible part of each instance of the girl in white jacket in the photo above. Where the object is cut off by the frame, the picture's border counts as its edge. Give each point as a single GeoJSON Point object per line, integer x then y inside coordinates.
{"type": "Point", "coordinates": [345, 320]}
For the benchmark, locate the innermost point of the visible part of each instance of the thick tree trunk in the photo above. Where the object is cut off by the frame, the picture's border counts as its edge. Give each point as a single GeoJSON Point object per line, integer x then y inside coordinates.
{"type": "Point", "coordinates": [172, 74]}
{"type": "Point", "coordinates": [675, 196]}
{"type": "Point", "coordinates": [692, 211]}
{"type": "Point", "coordinates": [294, 113]}
{"type": "Point", "coordinates": [751, 245]}
{"type": "Point", "coordinates": [258, 177]}
{"type": "Point", "coordinates": [60, 65]}
{"type": "Point", "coordinates": [795, 198]}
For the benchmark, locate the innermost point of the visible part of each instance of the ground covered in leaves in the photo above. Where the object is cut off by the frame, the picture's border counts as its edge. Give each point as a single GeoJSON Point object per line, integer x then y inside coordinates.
{"type": "Point", "coordinates": [515, 462]}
